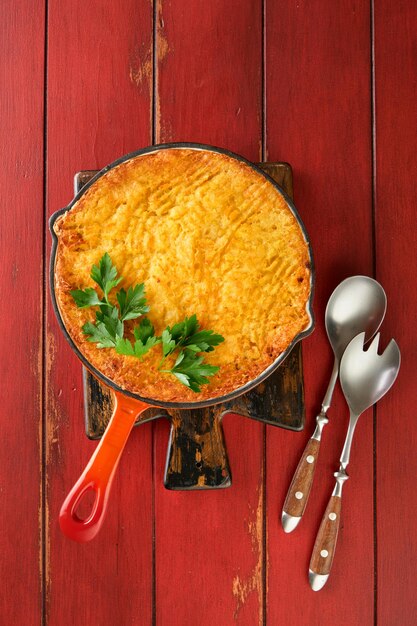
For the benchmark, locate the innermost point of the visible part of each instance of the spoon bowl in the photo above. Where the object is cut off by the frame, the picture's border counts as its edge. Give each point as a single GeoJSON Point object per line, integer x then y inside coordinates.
{"type": "Point", "coordinates": [357, 305]}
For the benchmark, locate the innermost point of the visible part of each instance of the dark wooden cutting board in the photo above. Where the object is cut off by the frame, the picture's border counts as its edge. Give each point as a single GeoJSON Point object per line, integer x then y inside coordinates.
{"type": "Point", "coordinates": [197, 457]}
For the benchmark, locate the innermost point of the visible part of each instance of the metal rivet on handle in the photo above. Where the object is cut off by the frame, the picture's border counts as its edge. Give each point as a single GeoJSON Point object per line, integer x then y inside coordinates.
{"type": "Point", "coordinates": [310, 458]}
{"type": "Point", "coordinates": [324, 553]}
{"type": "Point", "coordinates": [299, 495]}
{"type": "Point", "coordinates": [332, 516]}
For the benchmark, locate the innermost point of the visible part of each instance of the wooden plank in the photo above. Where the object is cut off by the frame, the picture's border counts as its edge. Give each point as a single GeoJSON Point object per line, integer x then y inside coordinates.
{"type": "Point", "coordinates": [209, 546]}
{"type": "Point", "coordinates": [203, 100]}
{"type": "Point", "coordinates": [396, 243]}
{"type": "Point", "coordinates": [21, 237]}
{"type": "Point", "coordinates": [99, 107]}
{"type": "Point", "coordinates": [318, 117]}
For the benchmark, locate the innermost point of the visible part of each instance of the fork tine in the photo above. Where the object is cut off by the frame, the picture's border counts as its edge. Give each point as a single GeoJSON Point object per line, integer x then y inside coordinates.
{"type": "Point", "coordinates": [392, 352]}
{"type": "Point", "coordinates": [375, 344]}
{"type": "Point", "coordinates": [360, 371]}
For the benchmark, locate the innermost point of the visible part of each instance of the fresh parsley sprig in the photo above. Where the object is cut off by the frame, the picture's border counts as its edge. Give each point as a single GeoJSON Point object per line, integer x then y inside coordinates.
{"type": "Point", "coordinates": [186, 334]}
{"type": "Point", "coordinates": [105, 275]}
{"type": "Point", "coordinates": [132, 302]}
{"type": "Point", "coordinates": [108, 327]}
{"type": "Point", "coordinates": [185, 337]}
{"type": "Point", "coordinates": [191, 370]}
{"type": "Point", "coordinates": [145, 340]}
{"type": "Point", "coordinates": [87, 297]}
{"type": "Point", "coordinates": [107, 331]}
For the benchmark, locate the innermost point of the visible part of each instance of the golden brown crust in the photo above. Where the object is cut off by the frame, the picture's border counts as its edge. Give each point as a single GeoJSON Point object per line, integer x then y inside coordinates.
{"type": "Point", "coordinates": [207, 235]}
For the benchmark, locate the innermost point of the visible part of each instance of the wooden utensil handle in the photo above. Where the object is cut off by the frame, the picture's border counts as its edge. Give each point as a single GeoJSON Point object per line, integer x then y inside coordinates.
{"type": "Point", "coordinates": [300, 487]}
{"type": "Point", "coordinates": [325, 544]}
{"type": "Point", "coordinates": [99, 473]}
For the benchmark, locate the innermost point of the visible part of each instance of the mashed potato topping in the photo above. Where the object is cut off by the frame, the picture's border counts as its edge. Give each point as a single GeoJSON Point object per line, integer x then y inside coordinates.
{"type": "Point", "coordinates": [208, 235]}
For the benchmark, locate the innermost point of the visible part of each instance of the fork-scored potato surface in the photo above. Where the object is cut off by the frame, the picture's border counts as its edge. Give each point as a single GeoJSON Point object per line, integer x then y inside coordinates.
{"type": "Point", "coordinates": [207, 235]}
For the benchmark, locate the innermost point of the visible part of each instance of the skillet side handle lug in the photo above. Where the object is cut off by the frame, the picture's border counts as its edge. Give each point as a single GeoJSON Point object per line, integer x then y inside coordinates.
{"type": "Point", "coordinates": [99, 473]}
{"type": "Point", "coordinates": [325, 544]}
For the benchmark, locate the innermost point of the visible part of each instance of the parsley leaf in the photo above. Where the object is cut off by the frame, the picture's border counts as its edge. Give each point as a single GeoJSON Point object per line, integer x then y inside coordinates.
{"type": "Point", "coordinates": [145, 340]}
{"type": "Point", "coordinates": [202, 341]}
{"type": "Point", "coordinates": [132, 302]}
{"type": "Point", "coordinates": [105, 274]}
{"type": "Point", "coordinates": [86, 297]}
{"type": "Point", "coordinates": [112, 322]}
{"type": "Point", "coordinates": [144, 330]}
{"type": "Point", "coordinates": [191, 370]}
{"type": "Point", "coordinates": [99, 335]}
{"type": "Point", "coordinates": [186, 335]}
{"type": "Point", "coordinates": [184, 329]}
{"type": "Point", "coordinates": [168, 343]}
{"type": "Point", "coordinates": [107, 329]}
{"type": "Point", "coordinates": [138, 349]}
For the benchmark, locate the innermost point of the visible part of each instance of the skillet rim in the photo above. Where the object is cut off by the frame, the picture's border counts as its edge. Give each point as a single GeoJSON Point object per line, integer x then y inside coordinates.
{"type": "Point", "coordinates": [209, 401]}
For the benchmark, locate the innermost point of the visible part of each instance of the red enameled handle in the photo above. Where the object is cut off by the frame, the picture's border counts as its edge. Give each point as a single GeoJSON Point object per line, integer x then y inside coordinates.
{"type": "Point", "coordinates": [99, 473]}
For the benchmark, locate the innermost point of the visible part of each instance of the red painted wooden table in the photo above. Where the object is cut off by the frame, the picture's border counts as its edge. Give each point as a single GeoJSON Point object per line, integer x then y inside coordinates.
{"type": "Point", "coordinates": [329, 87]}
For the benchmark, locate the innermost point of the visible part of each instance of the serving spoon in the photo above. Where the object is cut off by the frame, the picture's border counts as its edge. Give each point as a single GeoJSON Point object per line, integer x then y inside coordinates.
{"type": "Point", "coordinates": [365, 377]}
{"type": "Point", "coordinates": [357, 304]}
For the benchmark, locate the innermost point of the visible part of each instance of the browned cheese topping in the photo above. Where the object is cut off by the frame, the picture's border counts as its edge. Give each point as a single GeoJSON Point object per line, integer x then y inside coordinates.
{"type": "Point", "coordinates": [207, 235]}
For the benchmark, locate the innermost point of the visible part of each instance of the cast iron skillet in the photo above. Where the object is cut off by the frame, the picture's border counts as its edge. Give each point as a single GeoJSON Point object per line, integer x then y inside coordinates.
{"type": "Point", "coordinates": [99, 472]}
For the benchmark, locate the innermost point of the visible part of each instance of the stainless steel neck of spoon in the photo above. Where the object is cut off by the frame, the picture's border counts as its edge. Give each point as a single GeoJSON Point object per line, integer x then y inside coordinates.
{"type": "Point", "coordinates": [322, 416]}
{"type": "Point", "coordinates": [344, 459]}
{"type": "Point", "coordinates": [327, 400]}
{"type": "Point", "coordinates": [341, 475]}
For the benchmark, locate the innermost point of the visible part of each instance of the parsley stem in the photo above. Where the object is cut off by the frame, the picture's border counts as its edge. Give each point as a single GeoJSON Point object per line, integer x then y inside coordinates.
{"type": "Point", "coordinates": [161, 362]}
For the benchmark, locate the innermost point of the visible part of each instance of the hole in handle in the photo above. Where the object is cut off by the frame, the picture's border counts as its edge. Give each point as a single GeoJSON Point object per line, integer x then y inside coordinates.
{"type": "Point", "coordinates": [86, 504]}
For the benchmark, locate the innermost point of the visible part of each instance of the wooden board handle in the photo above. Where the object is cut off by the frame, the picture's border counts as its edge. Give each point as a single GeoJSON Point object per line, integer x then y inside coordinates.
{"type": "Point", "coordinates": [325, 544]}
{"type": "Point", "coordinates": [99, 473]}
{"type": "Point", "coordinates": [300, 487]}
{"type": "Point", "coordinates": [197, 456]}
